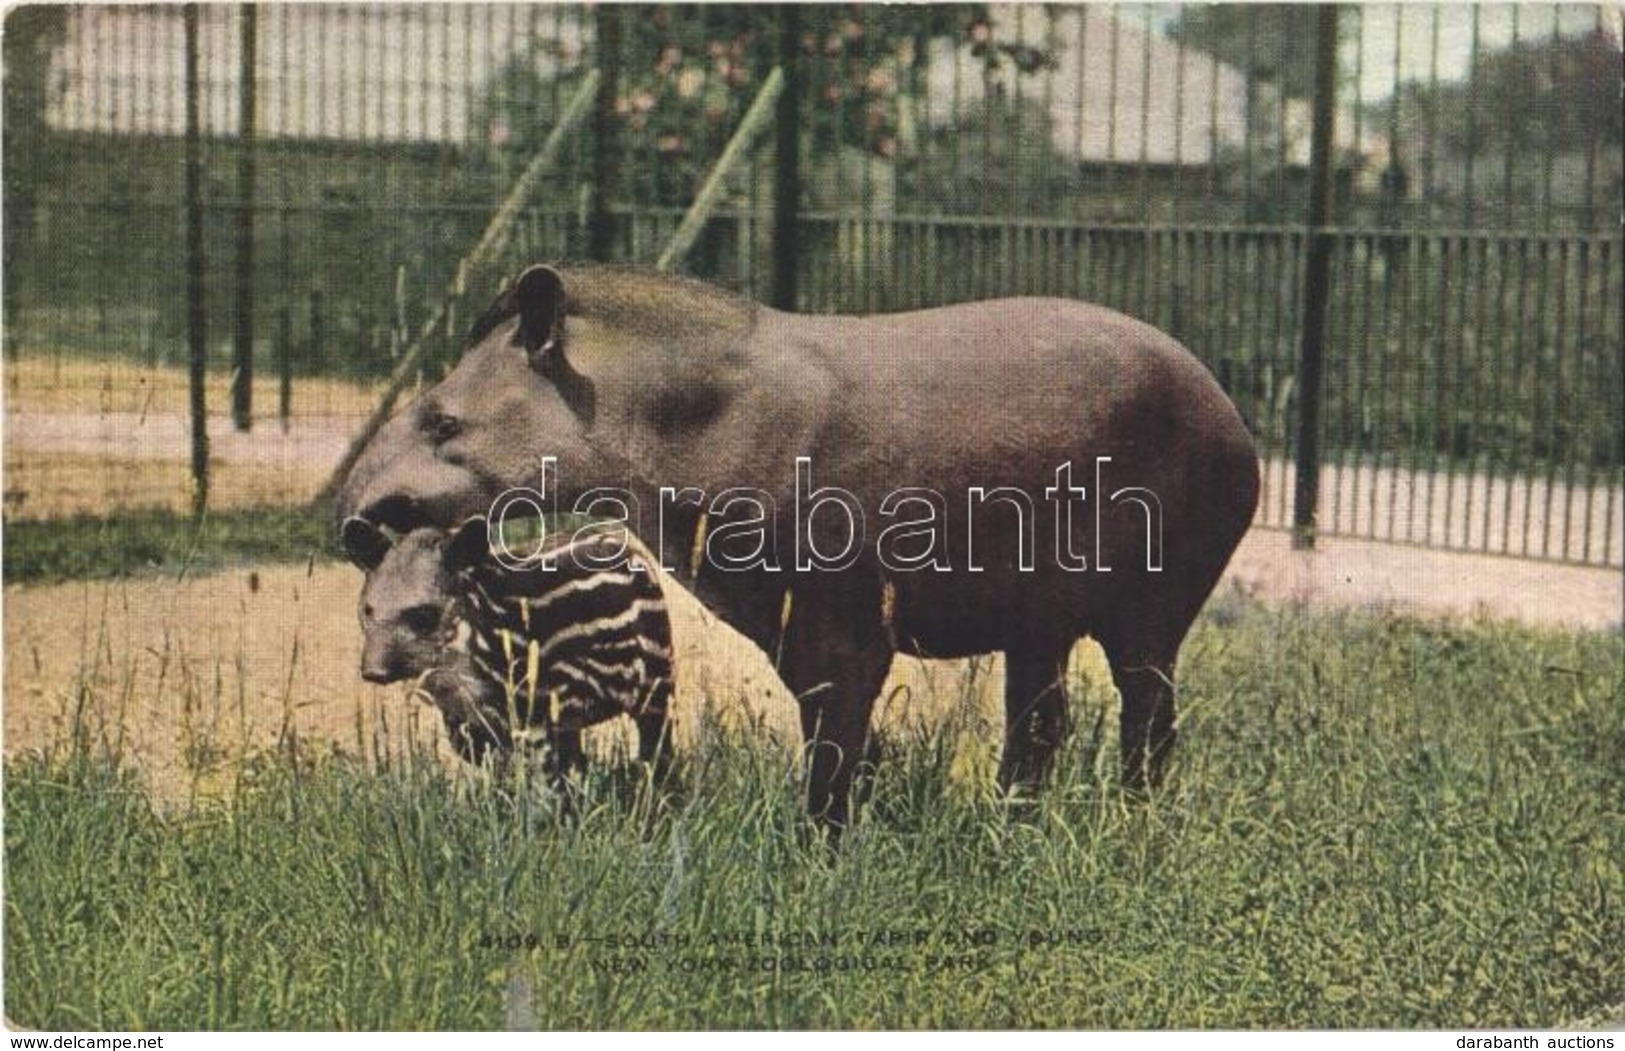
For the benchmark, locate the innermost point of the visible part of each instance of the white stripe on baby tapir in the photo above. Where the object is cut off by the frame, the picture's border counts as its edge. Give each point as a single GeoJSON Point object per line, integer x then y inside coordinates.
{"type": "Point", "coordinates": [597, 627]}
{"type": "Point", "coordinates": [572, 588]}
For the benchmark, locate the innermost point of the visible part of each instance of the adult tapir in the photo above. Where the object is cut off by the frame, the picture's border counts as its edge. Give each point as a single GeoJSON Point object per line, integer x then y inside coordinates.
{"type": "Point", "coordinates": [1027, 472]}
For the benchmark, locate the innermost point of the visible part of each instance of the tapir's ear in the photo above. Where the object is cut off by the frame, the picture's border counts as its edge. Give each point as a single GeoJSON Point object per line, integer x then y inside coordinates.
{"type": "Point", "coordinates": [539, 294]}
{"type": "Point", "coordinates": [364, 543]}
{"type": "Point", "coordinates": [470, 545]}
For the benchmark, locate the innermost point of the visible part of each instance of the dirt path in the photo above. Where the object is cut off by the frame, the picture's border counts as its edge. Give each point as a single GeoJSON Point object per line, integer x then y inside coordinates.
{"type": "Point", "coordinates": [1371, 575]}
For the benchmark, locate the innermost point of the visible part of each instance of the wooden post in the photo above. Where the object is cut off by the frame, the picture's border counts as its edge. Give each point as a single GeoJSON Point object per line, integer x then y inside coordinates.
{"type": "Point", "coordinates": [197, 318]}
{"type": "Point", "coordinates": [1316, 282]}
{"type": "Point", "coordinates": [242, 377]}
{"type": "Point", "coordinates": [705, 202]}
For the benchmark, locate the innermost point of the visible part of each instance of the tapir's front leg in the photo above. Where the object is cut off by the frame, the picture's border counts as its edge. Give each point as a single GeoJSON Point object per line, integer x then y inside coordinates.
{"type": "Point", "coordinates": [834, 657]}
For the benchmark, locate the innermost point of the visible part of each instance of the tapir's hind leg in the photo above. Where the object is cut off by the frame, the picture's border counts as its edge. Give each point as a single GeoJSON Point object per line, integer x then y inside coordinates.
{"type": "Point", "coordinates": [835, 658]}
{"type": "Point", "coordinates": [1036, 720]}
{"type": "Point", "coordinates": [1143, 670]}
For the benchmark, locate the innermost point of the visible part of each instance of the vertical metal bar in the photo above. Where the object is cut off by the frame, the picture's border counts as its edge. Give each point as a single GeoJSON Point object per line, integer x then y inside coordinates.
{"type": "Point", "coordinates": [1111, 118]}
{"type": "Point", "coordinates": [284, 361]}
{"type": "Point", "coordinates": [197, 318]}
{"type": "Point", "coordinates": [1468, 215]}
{"type": "Point", "coordinates": [1081, 158]}
{"type": "Point", "coordinates": [1584, 381]}
{"type": "Point", "coordinates": [1597, 32]}
{"type": "Point", "coordinates": [1516, 149]}
{"type": "Point", "coordinates": [1178, 164]}
{"type": "Point", "coordinates": [1250, 119]}
{"type": "Point", "coordinates": [606, 160]}
{"type": "Point", "coordinates": [1382, 441]}
{"type": "Point", "coordinates": [1494, 455]}
{"type": "Point", "coordinates": [1338, 320]}
{"type": "Point", "coordinates": [1051, 47]}
{"type": "Point", "coordinates": [1311, 348]}
{"type": "Point", "coordinates": [1611, 290]}
{"type": "Point", "coordinates": [1550, 153]}
{"type": "Point", "coordinates": [1210, 163]}
{"type": "Point", "coordinates": [956, 177]}
{"type": "Point", "coordinates": [1557, 449]}
{"type": "Point", "coordinates": [1455, 344]}
{"type": "Point", "coordinates": [1513, 386]}
{"type": "Point", "coordinates": [1362, 389]}
{"type": "Point", "coordinates": [787, 175]}
{"type": "Point", "coordinates": [1144, 205]}
{"type": "Point", "coordinates": [1285, 316]}
{"type": "Point", "coordinates": [1537, 401]}
{"type": "Point", "coordinates": [242, 378]}
{"type": "Point", "coordinates": [1474, 466]}
{"type": "Point", "coordinates": [1430, 168]}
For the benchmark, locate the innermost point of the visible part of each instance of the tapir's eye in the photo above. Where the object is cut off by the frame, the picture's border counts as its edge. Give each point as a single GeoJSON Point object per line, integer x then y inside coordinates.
{"type": "Point", "coordinates": [443, 426]}
{"type": "Point", "coordinates": [421, 620]}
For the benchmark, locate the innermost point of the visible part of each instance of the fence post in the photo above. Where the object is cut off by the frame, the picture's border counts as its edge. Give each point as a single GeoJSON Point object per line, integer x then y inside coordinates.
{"type": "Point", "coordinates": [787, 178]}
{"type": "Point", "coordinates": [606, 153]}
{"type": "Point", "coordinates": [242, 379]}
{"type": "Point", "coordinates": [284, 362]}
{"type": "Point", "coordinates": [317, 329]}
{"type": "Point", "coordinates": [1316, 282]}
{"type": "Point", "coordinates": [197, 318]}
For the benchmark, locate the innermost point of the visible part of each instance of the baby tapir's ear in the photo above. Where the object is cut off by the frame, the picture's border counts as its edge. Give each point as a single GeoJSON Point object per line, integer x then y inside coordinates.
{"type": "Point", "coordinates": [364, 543]}
{"type": "Point", "coordinates": [470, 545]}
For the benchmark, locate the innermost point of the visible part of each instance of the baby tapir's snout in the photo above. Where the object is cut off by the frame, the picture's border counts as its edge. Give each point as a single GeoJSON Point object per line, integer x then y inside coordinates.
{"type": "Point", "coordinates": [382, 661]}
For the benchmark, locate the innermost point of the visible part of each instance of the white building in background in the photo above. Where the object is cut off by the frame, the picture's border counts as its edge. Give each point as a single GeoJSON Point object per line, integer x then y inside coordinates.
{"type": "Point", "coordinates": [1120, 92]}
{"type": "Point", "coordinates": [403, 73]}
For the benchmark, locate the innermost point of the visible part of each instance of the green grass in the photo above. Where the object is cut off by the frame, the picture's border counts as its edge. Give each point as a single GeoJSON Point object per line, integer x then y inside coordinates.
{"type": "Point", "coordinates": [151, 542]}
{"type": "Point", "coordinates": [1373, 822]}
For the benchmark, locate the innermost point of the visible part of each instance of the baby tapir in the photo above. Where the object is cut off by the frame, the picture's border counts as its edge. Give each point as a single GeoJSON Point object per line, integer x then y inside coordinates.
{"type": "Point", "coordinates": [517, 657]}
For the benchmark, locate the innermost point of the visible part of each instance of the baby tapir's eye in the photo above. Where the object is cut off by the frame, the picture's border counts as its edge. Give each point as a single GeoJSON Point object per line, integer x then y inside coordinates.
{"type": "Point", "coordinates": [443, 426]}
{"type": "Point", "coordinates": [421, 620]}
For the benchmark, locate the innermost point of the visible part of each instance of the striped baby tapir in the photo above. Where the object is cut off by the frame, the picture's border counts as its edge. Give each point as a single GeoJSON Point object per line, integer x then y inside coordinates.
{"type": "Point", "coordinates": [518, 658]}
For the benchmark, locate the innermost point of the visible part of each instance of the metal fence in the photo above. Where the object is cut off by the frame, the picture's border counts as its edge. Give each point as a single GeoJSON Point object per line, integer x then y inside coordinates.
{"type": "Point", "coordinates": [1155, 158]}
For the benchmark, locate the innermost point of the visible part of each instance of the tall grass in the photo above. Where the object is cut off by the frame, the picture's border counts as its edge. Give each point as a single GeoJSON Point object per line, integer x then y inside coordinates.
{"type": "Point", "coordinates": [1372, 822]}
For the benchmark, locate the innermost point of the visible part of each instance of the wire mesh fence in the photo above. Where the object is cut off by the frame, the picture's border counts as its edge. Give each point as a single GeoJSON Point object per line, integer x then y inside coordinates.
{"type": "Point", "coordinates": [1155, 158]}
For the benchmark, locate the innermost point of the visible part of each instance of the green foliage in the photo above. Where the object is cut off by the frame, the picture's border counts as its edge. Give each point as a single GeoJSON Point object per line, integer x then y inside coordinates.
{"type": "Point", "coordinates": [687, 74]}
{"type": "Point", "coordinates": [1560, 93]}
{"type": "Point", "coordinates": [153, 542]}
{"type": "Point", "coordinates": [1372, 822]}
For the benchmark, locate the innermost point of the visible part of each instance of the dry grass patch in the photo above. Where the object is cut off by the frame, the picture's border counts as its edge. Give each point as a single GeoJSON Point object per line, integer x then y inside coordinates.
{"type": "Point", "coordinates": [184, 679]}
{"type": "Point", "coordinates": [40, 485]}
{"type": "Point", "coordinates": [60, 383]}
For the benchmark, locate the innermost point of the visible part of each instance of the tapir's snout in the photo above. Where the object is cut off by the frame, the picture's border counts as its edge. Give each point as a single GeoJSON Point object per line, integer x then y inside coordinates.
{"type": "Point", "coordinates": [382, 665]}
